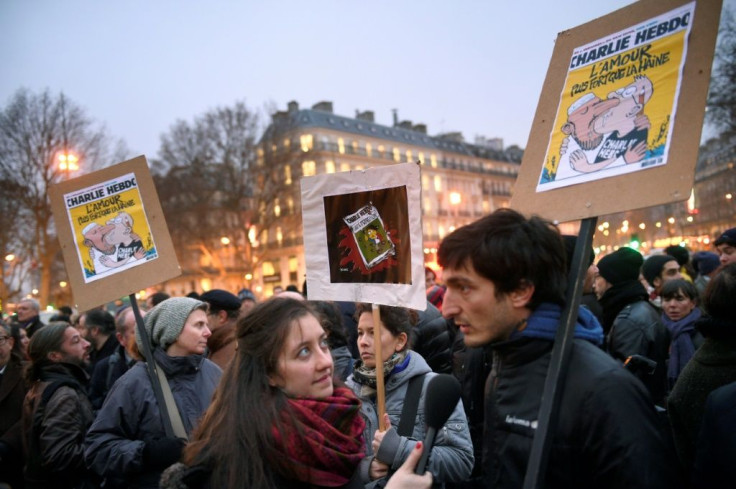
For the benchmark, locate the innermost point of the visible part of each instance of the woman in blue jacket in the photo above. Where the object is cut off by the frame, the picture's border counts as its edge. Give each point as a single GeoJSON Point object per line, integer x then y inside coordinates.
{"type": "Point", "coordinates": [451, 459]}
{"type": "Point", "coordinates": [127, 444]}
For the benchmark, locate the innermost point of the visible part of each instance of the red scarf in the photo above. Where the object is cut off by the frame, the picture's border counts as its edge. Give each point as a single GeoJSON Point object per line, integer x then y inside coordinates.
{"type": "Point", "coordinates": [323, 442]}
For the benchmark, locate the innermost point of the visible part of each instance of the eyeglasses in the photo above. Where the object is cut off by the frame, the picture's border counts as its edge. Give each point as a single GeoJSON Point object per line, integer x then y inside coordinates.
{"type": "Point", "coordinates": [3, 339]}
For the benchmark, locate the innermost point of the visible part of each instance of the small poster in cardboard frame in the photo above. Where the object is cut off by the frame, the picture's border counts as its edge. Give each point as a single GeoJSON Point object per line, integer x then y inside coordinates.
{"type": "Point", "coordinates": [112, 233]}
{"type": "Point", "coordinates": [363, 236]}
{"type": "Point", "coordinates": [619, 118]}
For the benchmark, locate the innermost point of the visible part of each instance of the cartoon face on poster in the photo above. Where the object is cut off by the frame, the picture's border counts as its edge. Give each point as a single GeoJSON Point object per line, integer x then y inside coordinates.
{"type": "Point", "coordinates": [618, 103]}
{"type": "Point", "coordinates": [363, 236]}
{"type": "Point", "coordinates": [110, 227]}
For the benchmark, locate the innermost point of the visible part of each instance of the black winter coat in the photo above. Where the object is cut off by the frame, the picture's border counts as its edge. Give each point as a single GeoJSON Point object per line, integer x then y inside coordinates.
{"type": "Point", "coordinates": [432, 338]}
{"type": "Point", "coordinates": [607, 435]}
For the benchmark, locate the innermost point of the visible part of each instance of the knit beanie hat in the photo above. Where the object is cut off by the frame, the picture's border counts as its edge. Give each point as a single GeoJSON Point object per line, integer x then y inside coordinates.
{"type": "Point", "coordinates": [165, 322]}
{"type": "Point", "coordinates": [621, 265]}
{"type": "Point", "coordinates": [653, 266]}
{"type": "Point", "coordinates": [705, 262]}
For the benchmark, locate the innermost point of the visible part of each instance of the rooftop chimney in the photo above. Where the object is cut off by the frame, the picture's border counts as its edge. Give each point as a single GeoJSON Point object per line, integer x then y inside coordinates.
{"type": "Point", "coordinates": [366, 115]}
{"type": "Point", "coordinates": [293, 106]}
{"type": "Point", "coordinates": [323, 106]}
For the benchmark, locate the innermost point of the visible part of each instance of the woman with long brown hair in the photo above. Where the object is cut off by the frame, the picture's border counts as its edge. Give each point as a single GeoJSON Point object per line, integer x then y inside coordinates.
{"type": "Point", "coordinates": [277, 419]}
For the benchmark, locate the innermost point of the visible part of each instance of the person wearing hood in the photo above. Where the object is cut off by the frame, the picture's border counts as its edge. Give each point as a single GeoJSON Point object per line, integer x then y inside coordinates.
{"type": "Point", "coordinates": [634, 326]}
{"type": "Point", "coordinates": [506, 278]}
{"type": "Point", "coordinates": [127, 444]}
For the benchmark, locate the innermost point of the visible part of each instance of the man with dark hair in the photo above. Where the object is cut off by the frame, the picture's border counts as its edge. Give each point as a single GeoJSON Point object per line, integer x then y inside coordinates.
{"type": "Point", "coordinates": [27, 315]}
{"type": "Point", "coordinates": [682, 255]}
{"type": "Point", "coordinates": [56, 411]}
{"type": "Point", "coordinates": [657, 269]}
{"type": "Point", "coordinates": [12, 391]}
{"type": "Point", "coordinates": [100, 327]}
{"type": "Point", "coordinates": [726, 246]}
{"type": "Point", "coordinates": [107, 371]}
{"type": "Point", "coordinates": [222, 315]}
{"type": "Point", "coordinates": [632, 325]}
{"type": "Point", "coordinates": [506, 282]}
{"type": "Point", "coordinates": [156, 299]}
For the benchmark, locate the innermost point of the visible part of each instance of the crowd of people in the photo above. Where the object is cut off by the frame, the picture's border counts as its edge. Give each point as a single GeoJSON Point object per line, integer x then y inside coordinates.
{"type": "Point", "coordinates": [219, 390]}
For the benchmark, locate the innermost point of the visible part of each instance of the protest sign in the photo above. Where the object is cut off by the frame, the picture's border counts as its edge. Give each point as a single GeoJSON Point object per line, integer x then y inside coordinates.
{"type": "Point", "coordinates": [112, 232]}
{"type": "Point", "coordinates": [619, 119]}
{"type": "Point", "coordinates": [363, 236]}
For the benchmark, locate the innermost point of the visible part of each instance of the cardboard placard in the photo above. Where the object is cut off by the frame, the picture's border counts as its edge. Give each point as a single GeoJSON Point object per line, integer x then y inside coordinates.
{"type": "Point", "coordinates": [619, 119]}
{"type": "Point", "coordinates": [363, 236]}
{"type": "Point", "coordinates": [112, 232]}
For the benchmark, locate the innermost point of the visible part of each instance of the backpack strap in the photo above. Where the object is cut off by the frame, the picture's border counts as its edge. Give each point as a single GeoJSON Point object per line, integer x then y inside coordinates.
{"type": "Point", "coordinates": [411, 403]}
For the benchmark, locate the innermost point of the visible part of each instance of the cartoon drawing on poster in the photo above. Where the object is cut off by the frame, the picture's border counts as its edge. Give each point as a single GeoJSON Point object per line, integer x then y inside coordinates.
{"type": "Point", "coordinates": [371, 244]}
{"type": "Point", "coordinates": [111, 230]}
{"type": "Point", "coordinates": [617, 107]}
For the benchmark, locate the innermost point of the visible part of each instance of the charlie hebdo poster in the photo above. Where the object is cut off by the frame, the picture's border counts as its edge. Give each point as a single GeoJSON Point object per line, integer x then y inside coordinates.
{"type": "Point", "coordinates": [111, 229]}
{"type": "Point", "coordinates": [617, 107]}
{"type": "Point", "coordinates": [112, 233]}
{"type": "Point", "coordinates": [363, 236]}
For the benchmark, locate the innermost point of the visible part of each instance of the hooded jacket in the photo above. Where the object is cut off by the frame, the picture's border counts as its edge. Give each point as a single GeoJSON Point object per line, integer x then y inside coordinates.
{"type": "Point", "coordinates": [452, 455]}
{"type": "Point", "coordinates": [607, 433]}
{"type": "Point", "coordinates": [130, 416]}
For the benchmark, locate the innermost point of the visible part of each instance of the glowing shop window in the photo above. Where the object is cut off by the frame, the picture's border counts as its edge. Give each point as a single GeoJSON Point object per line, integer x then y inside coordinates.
{"type": "Point", "coordinates": [368, 149]}
{"type": "Point", "coordinates": [329, 167]}
{"type": "Point", "coordinates": [341, 145]}
{"type": "Point", "coordinates": [397, 155]}
{"type": "Point", "coordinates": [438, 183]}
{"type": "Point", "coordinates": [307, 141]}
{"type": "Point", "coordinates": [433, 160]}
{"type": "Point", "coordinates": [309, 168]}
{"type": "Point", "coordinates": [344, 166]}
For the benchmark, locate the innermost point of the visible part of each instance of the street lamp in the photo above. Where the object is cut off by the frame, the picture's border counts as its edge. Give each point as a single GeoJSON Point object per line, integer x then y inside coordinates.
{"type": "Point", "coordinates": [68, 162]}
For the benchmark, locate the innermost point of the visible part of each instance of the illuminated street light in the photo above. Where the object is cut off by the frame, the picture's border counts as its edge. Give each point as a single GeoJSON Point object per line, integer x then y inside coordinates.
{"type": "Point", "coordinates": [642, 226]}
{"type": "Point", "coordinates": [729, 196]}
{"type": "Point", "coordinates": [671, 220]}
{"type": "Point", "coordinates": [68, 162]}
{"type": "Point", "coordinates": [9, 257]}
{"type": "Point", "coordinates": [225, 240]}
{"type": "Point", "coordinates": [455, 198]}
{"type": "Point", "coordinates": [248, 276]}
{"type": "Point", "coordinates": [63, 284]}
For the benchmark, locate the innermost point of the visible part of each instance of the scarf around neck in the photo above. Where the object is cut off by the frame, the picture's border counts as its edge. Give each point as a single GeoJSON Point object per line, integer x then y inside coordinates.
{"type": "Point", "coordinates": [682, 348]}
{"type": "Point", "coordinates": [545, 320]}
{"type": "Point", "coordinates": [366, 376]}
{"type": "Point", "coordinates": [322, 439]}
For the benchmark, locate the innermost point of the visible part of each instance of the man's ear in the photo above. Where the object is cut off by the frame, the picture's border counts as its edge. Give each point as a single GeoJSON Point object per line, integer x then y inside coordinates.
{"type": "Point", "coordinates": [54, 356]}
{"type": "Point", "coordinates": [222, 316]}
{"type": "Point", "coordinates": [522, 295]}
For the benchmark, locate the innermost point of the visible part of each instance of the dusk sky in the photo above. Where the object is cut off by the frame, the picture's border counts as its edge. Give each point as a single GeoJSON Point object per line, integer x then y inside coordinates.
{"type": "Point", "coordinates": [138, 66]}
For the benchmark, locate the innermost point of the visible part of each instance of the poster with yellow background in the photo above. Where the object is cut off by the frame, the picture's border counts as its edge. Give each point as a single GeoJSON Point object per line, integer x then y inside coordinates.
{"type": "Point", "coordinates": [110, 227]}
{"type": "Point", "coordinates": [617, 107]}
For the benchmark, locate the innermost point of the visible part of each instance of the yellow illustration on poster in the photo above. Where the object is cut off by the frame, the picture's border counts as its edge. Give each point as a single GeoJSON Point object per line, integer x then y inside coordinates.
{"type": "Point", "coordinates": [617, 107]}
{"type": "Point", "coordinates": [110, 227]}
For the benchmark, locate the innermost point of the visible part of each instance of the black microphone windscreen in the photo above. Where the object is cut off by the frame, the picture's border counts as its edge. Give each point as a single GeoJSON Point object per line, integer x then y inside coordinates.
{"type": "Point", "coordinates": [443, 393]}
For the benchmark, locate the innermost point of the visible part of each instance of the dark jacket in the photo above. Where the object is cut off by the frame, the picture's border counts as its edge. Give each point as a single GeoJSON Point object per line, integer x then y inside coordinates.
{"type": "Point", "coordinates": [105, 374]}
{"type": "Point", "coordinates": [33, 325]}
{"type": "Point", "coordinates": [432, 338]}
{"type": "Point", "coordinates": [130, 416]}
{"type": "Point", "coordinates": [712, 366]}
{"type": "Point", "coordinates": [607, 436]}
{"type": "Point", "coordinates": [716, 447]}
{"type": "Point", "coordinates": [54, 439]}
{"type": "Point", "coordinates": [12, 392]}
{"type": "Point", "coordinates": [638, 330]}
{"type": "Point", "coordinates": [97, 356]}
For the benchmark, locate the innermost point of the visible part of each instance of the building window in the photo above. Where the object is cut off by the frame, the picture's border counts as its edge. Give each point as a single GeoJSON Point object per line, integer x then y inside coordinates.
{"type": "Point", "coordinates": [287, 144]}
{"type": "Point", "coordinates": [425, 182]}
{"type": "Point", "coordinates": [409, 156]}
{"type": "Point", "coordinates": [276, 207]}
{"type": "Point", "coordinates": [433, 160]}
{"type": "Point", "coordinates": [287, 174]}
{"type": "Point", "coordinates": [290, 203]}
{"type": "Point", "coordinates": [309, 168]}
{"type": "Point", "coordinates": [397, 155]}
{"type": "Point", "coordinates": [268, 269]}
{"type": "Point", "coordinates": [381, 151]}
{"type": "Point", "coordinates": [344, 167]}
{"type": "Point", "coordinates": [438, 183]}
{"type": "Point", "coordinates": [329, 166]}
{"type": "Point", "coordinates": [341, 145]}
{"type": "Point", "coordinates": [368, 150]}
{"type": "Point", "coordinates": [279, 235]}
{"type": "Point", "coordinates": [355, 147]}
{"type": "Point", "coordinates": [293, 264]}
{"type": "Point", "coordinates": [421, 158]}
{"type": "Point", "coordinates": [307, 142]}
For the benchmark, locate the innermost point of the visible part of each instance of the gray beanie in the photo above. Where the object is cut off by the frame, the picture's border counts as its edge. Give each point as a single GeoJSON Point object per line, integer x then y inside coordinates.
{"type": "Point", "coordinates": [165, 322]}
